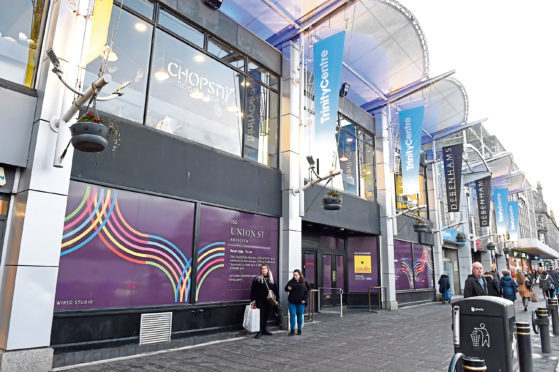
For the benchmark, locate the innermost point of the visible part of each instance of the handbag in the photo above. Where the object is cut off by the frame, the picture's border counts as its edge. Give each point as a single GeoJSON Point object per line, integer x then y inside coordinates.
{"type": "Point", "coordinates": [271, 298]}
{"type": "Point", "coordinates": [251, 320]}
{"type": "Point", "coordinates": [534, 297]}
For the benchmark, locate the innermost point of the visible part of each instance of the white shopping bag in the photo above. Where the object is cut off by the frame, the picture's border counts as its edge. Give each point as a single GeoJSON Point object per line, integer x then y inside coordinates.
{"type": "Point", "coordinates": [251, 321]}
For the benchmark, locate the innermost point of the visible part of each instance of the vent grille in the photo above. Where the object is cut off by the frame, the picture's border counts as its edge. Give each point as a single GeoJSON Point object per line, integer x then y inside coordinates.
{"type": "Point", "coordinates": [155, 327]}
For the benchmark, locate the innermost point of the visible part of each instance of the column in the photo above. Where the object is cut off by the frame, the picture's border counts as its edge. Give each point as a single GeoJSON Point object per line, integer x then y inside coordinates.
{"type": "Point", "coordinates": [434, 214]}
{"type": "Point", "coordinates": [30, 270]}
{"type": "Point", "coordinates": [290, 222]}
{"type": "Point", "coordinates": [385, 195]}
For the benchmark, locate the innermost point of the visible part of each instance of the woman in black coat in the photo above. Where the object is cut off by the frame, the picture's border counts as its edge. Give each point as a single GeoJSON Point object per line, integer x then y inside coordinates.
{"type": "Point", "coordinates": [298, 289]}
{"type": "Point", "coordinates": [492, 285]}
{"type": "Point", "coordinates": [259, 293]}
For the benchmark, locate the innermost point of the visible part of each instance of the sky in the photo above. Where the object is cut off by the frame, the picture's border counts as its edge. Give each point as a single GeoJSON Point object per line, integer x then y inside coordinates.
{"type": "Point", "coordinates": [506, 54]}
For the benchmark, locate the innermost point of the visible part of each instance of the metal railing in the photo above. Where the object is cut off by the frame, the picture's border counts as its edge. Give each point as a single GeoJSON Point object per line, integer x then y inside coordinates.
{"type": "Point", "coordinates": [380, 296]}
{"type": "Point", "coordinates": [340, 292]}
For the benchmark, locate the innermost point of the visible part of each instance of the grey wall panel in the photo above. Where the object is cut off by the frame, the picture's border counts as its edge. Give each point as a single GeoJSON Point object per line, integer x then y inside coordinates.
{"type": "Point", "coordinates": [406, 233]}
{"type": "Point", "coordinates": [16, 124]}
{"type": "Point", "coordinates": [229, 31]}
{"type": "Point", "coordinates": [151, 160]}
{"type": "Point", "coordinates": [356, 214]}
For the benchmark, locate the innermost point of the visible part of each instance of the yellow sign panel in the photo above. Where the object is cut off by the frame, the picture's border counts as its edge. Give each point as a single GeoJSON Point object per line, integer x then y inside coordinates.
{"type": "Point", "coordinates": [363, 265]}
{"type": "Point", "coordinates": [99, 29]}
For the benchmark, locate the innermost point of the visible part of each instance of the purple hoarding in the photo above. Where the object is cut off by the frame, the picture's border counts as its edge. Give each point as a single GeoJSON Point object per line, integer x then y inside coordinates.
{"type": "Point", "coordinates": [422, 266]}
{"type": "Point", "coordinates": [403, 265]}
{"type": "Point", "coordinates": [122, 249]}
{"type": "Point", "coordinates": [362, 263]}
{"type": "Point", "coordinates": [231, 247]}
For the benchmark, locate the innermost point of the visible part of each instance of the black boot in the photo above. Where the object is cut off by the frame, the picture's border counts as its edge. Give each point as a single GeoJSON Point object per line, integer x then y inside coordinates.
{"type": "Point", "coordinates": [299, 332]}
{"type": "Point", "coordinates": [265, 332]}
{"type": "Point", "coordinates": [291, 333]}
{"type": "Point", "coordinates": [258, 335]}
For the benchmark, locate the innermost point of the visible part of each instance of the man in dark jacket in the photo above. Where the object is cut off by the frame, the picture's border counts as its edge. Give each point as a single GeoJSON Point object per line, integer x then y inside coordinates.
{"type": "Point", "coordinates": [476, 284]}
{"type": "Point", "coordinates": [555, 278]}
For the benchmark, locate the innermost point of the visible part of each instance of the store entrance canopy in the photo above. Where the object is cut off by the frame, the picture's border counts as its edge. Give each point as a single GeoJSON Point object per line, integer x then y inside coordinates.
{"type": "Point", "coordinates": [536, 248]}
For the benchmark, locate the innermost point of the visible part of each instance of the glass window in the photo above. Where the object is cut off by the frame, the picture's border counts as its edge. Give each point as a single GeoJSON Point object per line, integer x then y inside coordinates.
{"type": "Point", "coordinates": [142, 7]}
{"type": "Point", "coordinates": [128, 61]}
{"type": "Point", "coordinates": [404, 202]}
{"type": "Point", "coordinates": [180, 28]}
{"type": "Point", "coordinates": [367, 166]}
{"type": "Point", "coordinates": [226, 54]}
{"type": "Point", "coordinates": [263, 75]}
{"type": "Point", "coordinates": [261, 124]}
{"type": "Point", "coordinates": [195, 98]}
{"type": "Point", "coordinates": [20, 27]}
{"type": "Point", "coordinates": [347, 155]}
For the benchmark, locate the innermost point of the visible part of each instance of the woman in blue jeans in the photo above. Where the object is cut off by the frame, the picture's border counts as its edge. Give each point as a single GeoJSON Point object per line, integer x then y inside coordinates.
{"type": "Point", "coordinates": [298, 289]}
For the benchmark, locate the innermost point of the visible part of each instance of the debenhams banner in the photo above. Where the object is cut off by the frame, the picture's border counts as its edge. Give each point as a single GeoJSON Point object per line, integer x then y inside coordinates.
{"type": "Point", "coordinates": [411, 126]}
{"type": "Point", "coordinates": [452, 160]}
{"type": "Point", "coordinates": [483, 189]}
{"type": "Point", "coordinates": [327, 56]}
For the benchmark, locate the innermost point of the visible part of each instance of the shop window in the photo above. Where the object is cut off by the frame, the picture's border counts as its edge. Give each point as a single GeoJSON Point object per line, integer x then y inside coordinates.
{"type": "Point", "coordinates": [181, 29]}
{"type": "Point", "coordinates": [128, 61]}
{"type": "Point", "coordinates": [227, 55]}
{"type": "Point", "coordinates": [20, 39]}
{"type": "Point", "coordinates": [194, 98]}
{"type": "Point", "coordinates": [413, 266]}
{"type": "Point", "coordinates": [366, 166]}
{"type": "Point", "coordinates": [263, 75]}
{"type": "Point", "coordinates": [404, 202]}
{"type": "Point", "coordinates": [142, 7]}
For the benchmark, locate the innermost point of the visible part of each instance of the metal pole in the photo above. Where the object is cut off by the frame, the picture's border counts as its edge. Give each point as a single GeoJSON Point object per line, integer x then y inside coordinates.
{"type": "Point", "coordinates": [456, 326]}
{"type": "Point", "coordinates": [552, 308]}
{"type": "Point", "coordinates": [524, 346]}
{"type": "Point", "coordinates": [341, 304]}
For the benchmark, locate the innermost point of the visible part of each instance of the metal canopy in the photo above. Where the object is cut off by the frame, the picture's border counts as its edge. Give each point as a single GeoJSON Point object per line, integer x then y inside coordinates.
{"type": "Point", "coordinates": [384, 47]}
{"type": "Point", "coordinates": [535, 247]}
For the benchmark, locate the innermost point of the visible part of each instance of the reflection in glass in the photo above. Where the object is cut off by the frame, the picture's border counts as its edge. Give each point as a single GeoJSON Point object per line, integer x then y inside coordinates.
{"type": "Point", "coordinates": [142, 7]}
{"type": "Point", "coordinates": [347, 155]}
{"type": "Point", "coordinates": [200, 101]}
{"type": "Point", "coordinates": [20, 25]}
{"type": "Point", "coordinates": [404, 202]}
{"type": "Point", "coordinates": [128, 61]}
{"type": "Point", "coordinates": [366, 163]}
{"type": "Point", "coordinates": [265, 76]}
{"type": "Point", "coordinates": [178, 27]}
{"type": "Point", "coordinates": [226, 54]}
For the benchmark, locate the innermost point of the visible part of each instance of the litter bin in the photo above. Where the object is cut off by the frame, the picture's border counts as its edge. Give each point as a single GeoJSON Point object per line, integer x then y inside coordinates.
{"type": "Point", "coordinates": [483, 327]}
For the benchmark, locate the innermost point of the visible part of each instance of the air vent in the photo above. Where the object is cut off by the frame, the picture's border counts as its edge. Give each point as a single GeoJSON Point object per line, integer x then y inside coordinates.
{"type": "Point", "coordinates": [155, 327]}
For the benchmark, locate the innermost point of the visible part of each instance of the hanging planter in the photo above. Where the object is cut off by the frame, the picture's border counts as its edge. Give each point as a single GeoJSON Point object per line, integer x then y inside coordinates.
{"type": "Point", "coordinates": [332, 201]}
{"type": "Point", "coordinates": [420, 226]}
{"type": "Point", "coordinates": [490, 246]}
{"type": "Point", "coordinates": [460, 238]}
{"type": "Point", "coordinates": [90, 134]}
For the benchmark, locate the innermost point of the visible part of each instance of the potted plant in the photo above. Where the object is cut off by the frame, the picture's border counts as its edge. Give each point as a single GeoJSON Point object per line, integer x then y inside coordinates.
{"type": "Point", "coordinates": [420, 225]}
{"type": "Point", "coordinates": [460, 238]}
{"type": "Point", "coordinates": [332, 201]}
{"type": "Point", "coordinates": [90, 133]}
{"type": "Point", "coordinates": [490, 246]}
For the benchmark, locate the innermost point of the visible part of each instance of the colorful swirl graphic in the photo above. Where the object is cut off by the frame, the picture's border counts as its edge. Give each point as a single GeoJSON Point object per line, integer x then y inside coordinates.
{"type": "Point", "coordinates": [424, 262]}
{"type": "Point", "coordinates": [210, 257]}
{"type": "Point", "coordinates": [99, 215]}
{"type": "Point", "coordinates": [406, 268]}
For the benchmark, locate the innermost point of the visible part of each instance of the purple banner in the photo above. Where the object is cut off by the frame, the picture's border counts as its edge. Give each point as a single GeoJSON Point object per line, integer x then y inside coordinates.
{"type": "Point", "coordinates": [231, 247]}
{"type": "Point", "coordinates": [362, 263]}
{"type": "Point", "coordinates": [403, 265]}
{"type": "Point", "coordinates": [422, 266]}
{"type": "Point", "coordinates": [122, 249]}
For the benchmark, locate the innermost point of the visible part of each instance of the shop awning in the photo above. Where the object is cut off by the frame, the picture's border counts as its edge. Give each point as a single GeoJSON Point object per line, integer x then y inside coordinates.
{"type": "Point", "coordinates": [536, 248]}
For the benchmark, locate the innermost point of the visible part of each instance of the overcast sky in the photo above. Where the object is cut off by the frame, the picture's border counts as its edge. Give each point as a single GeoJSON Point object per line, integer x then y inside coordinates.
{"type": "Point", "coordinates": [506, 53]}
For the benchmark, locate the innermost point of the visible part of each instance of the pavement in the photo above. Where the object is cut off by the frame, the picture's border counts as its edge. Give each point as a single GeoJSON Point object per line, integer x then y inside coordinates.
{"type": "Point", "coordinates": [415, 338]}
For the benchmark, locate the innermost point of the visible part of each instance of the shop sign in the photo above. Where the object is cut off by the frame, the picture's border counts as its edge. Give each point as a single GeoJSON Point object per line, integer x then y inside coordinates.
{"type": "Point", "coordinates": [362, 263]}
{"type": "Point", "coordinates": [411, 126]}
{"type": "Point", "coordinates": [501, 209]}
{"type": "Point", "coordinates": [449, 235]}
{"type": "Point", "coordinates": [452, 160]}
{"type": "Point", "coordinates": [483, 188]}
{"type": "Point", "coordinates": [513, 220]}
{"type": "Point", "coordinates": [327, 54]}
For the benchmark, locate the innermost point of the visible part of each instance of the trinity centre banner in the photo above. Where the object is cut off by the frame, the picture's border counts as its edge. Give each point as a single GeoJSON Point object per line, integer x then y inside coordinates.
{"type": "Point", "coordinates": [327, 56]}
{"type": "Point", "coordinates": [501, 199]}
{"type": "Point", "coordinates": [452, 160]}
{"type": "Point", "coordinates": [483, 190]}
{"type": "Point", "coordinates": [411, 125]}
{"type": "Point", "coordinates": [513, 220]}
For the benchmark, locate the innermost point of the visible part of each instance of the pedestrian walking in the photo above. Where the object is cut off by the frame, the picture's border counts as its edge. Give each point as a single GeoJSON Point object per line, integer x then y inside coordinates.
{"type": "Point", "coordinates": [496, 276]}
{"type": "Point", "coordinates": [444, 288]}
{"type": "Point", "coordinates": [298, 289]}
{"type": "Point", "coordinates": [475, 284]}
{"type": "Point", "coordinates": [259, 293]}
{"type": "Point", "coordinates": [509, 286]}
{"type": "Point", "coordinates": [555, 278]}
{"type": "Point", "coordinates": [546, 284]}
{"type": "Point", "coordinates": [493, 289]}
{"type": "Point", "coordinates": [524, 286]}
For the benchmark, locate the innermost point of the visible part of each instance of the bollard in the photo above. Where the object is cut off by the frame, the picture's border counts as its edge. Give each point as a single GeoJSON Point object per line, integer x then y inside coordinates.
{"type": "Point", "coordinates": [552, 308]}
{"type": "Point", "coordinates": [524, 346]}
{"type": "Point", "coordinates": [468, 363]}
{"type": "Point", "coordinates": [540, 322]}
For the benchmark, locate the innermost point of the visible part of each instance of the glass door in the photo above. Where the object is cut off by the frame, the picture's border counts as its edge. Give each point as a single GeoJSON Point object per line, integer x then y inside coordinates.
{"type": "Point", "coordinates": [339, 274]}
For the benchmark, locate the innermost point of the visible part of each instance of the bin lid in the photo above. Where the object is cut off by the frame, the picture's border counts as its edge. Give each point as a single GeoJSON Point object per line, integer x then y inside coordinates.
{"type": "Point", "coordinates": [485, 306]}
